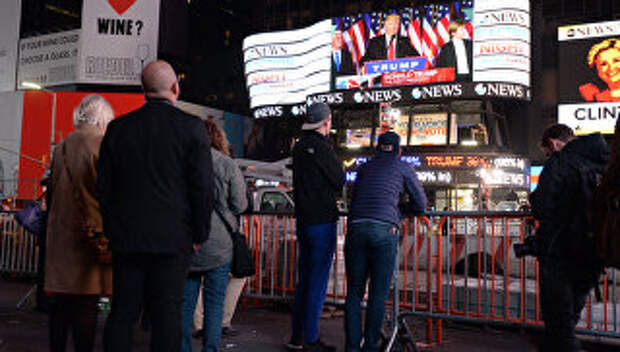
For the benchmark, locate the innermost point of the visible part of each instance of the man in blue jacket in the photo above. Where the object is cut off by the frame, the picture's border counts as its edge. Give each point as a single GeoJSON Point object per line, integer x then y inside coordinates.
{"type": "Point", "coordinates": [372, 238]}
{"type": "Point", "coordinates": [317, 180]}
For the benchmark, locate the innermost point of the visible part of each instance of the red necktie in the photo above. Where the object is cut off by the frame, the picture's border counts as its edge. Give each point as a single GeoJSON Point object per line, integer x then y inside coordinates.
{"type": "Point", "coordinates": [392, 51]}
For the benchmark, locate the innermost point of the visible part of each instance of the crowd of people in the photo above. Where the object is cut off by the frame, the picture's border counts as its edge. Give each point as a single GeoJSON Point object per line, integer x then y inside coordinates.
{"type": "Point", "coordinates": [141, 208]}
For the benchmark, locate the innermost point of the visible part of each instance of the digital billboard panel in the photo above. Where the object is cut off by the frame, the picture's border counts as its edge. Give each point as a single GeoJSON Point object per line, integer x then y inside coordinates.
{"type": "Point", "coordinates": [589, 76]}
{"type": "Point", "coordinates": [475, 48]}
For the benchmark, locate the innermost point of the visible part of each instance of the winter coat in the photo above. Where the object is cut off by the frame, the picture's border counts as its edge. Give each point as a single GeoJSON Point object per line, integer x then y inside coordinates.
{"type": "Point", "coordinates": [317, 180]}
{"type": "Point", "coordinates": [231, 199]}
{"type": "Point", "coordinates": [378, 187]}
{"type": "Point", "coordinates": [562, 199]}
{"type": "Point", "coordinates": [70, 265]}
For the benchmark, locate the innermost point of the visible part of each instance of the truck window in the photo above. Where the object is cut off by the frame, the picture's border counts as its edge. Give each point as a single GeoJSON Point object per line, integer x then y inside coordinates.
{"type": "Point", "coordinates": [275, 201]}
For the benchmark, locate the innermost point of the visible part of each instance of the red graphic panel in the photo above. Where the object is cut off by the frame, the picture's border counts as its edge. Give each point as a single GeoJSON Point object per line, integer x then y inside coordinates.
{"type": "Point", "coordinates": [37, 126]}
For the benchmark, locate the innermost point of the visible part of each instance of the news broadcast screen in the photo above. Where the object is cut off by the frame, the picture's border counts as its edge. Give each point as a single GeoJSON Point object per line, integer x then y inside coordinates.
{"type": "Point", "coordinates": [456, 49]}
{"type": "Point", "coordinates": [589, 76]}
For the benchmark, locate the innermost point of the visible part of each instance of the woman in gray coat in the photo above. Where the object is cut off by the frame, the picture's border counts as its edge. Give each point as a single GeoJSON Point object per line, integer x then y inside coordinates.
{"type": "Point", "coordinates": [211, 263]}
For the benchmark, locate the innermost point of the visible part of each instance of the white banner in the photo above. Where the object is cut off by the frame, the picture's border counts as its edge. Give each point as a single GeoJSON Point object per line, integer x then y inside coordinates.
{"type": "Point", "coordinates": [285, 67]}
{"type": "Point", "coordinates": [589, 118]}
{"type": "Point", "coordinates": [119, 37]}
{"type": "Point", "coordinates": [48, 60]}
{"type": "Point", "coordinates": [9, 37]}
{"type": "Point", "coordinates": [590, 30]}
{"type": "Point", "coordinates": [502, 41]}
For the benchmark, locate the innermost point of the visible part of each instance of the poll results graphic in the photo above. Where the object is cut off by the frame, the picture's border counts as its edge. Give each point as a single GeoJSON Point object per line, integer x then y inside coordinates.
{"type": "Point", "coordinates": [451, 49]}
{"type": "Point", "coordinates": [589, 76]}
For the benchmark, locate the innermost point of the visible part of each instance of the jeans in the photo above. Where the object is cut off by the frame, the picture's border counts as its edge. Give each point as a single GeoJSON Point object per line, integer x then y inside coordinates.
{"type": "Point", "coordinates": [153, 282]}
{"type": "Point", "coordinates": [563, 296]}
{"type": "Point", "coordinates": [213, 291]}
{"type": "Point", "coordinates": [316, 251]}
{"type": "Point", "coordinates": [370, 253]}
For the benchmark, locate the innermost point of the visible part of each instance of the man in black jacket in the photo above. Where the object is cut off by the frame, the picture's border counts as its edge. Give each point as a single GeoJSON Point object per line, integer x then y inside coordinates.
{"type": "Point", "coordinates": [389, 46]}
{"type": "Point", "coordinates": [155, 183]}
{"type": "Point", "coordinates": [317, 179]}
{"type": "Point", "coordinates": [457, 52]}
{"type": "Point", "coordinates": [570, 265]}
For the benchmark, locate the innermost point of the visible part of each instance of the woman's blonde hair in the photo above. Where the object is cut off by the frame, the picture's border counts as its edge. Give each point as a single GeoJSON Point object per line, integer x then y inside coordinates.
{"type": "Point", "coordinates": [598, 48]}
{"type": "Point", "coordinates": [217, 137]}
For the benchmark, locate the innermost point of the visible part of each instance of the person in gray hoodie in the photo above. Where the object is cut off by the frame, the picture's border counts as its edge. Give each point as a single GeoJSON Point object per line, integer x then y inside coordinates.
{"type": "Point", "coordinates": [210, 265]}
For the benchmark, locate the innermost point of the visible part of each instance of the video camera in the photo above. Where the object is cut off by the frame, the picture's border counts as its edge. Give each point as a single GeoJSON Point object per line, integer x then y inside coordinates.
{"type": "Point", "coordinates": [530, 246]}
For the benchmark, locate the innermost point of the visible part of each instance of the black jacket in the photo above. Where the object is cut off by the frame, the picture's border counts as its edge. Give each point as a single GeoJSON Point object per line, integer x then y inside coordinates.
{"type": "Point", "coordinates": [346, 64]}
{"type": "Point", "coordinates": [377, 49]}
{"type": "Point", "coordinates": [447, 58]}
{"type": "Point", "coordinates": [155, 180]}
{"type": "Point", "coordinates": [317, 179]}
{"type": "Point", "coordinates": [562, 198]}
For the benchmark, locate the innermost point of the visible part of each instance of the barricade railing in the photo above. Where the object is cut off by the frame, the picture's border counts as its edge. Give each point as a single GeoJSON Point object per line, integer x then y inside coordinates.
{"type": "Point", "coordinates": [19, 253]}
{"type": "Point", "coordinates": [451, 265]}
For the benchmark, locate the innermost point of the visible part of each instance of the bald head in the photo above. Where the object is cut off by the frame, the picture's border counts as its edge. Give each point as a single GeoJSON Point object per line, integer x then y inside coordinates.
{"type": "Point", "coordinates": [160, 81]}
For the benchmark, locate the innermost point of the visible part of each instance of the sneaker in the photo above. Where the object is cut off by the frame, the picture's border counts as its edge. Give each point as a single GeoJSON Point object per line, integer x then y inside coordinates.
{"type": "Point", "coordinates": [229, 331]}
{"type": "Point", "coordinates": [319, 346]}
{"type": "Point", "coordinates": [294, 345]}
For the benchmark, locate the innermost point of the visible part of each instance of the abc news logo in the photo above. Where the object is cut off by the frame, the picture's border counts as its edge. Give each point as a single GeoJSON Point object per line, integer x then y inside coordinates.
{"type": "Point", "coordinates": [505, 90]}
{"type": "Point", "coordinates": [378, 96]}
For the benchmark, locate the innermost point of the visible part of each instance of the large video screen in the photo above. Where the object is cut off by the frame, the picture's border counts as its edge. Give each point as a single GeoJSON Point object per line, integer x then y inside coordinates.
{"type": "Point", "coordinates": [589, 76]}
{"type": "Point", "coordinates": [457, 49]}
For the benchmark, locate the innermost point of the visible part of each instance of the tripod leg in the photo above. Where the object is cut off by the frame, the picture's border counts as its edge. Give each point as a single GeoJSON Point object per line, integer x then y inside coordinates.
{"type": "Point", "coordinates": [22, 302]}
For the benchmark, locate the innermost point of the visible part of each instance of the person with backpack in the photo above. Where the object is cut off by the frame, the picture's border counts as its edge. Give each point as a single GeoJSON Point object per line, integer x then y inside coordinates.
{"type": "Point", "coordinates": [569, 262]}
{"type": "Point", "coordinates": [605, 209]}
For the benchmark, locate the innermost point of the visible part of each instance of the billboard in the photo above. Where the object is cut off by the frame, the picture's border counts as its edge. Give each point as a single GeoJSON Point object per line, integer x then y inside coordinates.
{"type": "Point", "coordinates": [116, 40]}
{"type": "Point", "coordinates": [457, 49]}
{"type": "Point", "coordinates": [589, 76]}
{"type": "Point", "coordinates": [9, 36]}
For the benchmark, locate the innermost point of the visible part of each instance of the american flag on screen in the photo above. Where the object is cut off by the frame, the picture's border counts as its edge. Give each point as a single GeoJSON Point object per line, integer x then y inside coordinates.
{"type": "Point", "coordinates": [442, 25]}
{"type": "Point", "coordinates": [411, 27]}
{"type": "Point", "coordinates": [374, 22]}
{"type": "Point", "coordinates": [459, 6]}
{"type": "Point", "coordinates": [352, 28]}
{"type": "Point", "coordinates": [429, 37]}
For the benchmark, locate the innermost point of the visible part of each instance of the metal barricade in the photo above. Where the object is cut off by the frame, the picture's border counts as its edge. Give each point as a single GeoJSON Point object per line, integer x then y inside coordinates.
{"type": "Point", "coordinates": [452, 265]}
{"type": "Point", "coordinates": [19, 254]}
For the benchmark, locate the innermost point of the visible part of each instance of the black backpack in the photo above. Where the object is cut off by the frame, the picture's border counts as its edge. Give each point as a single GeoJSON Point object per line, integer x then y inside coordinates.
{"type": "Point", "coordinates": [576, 241]}
{"type": "Point", "coordinates": [605, 217]}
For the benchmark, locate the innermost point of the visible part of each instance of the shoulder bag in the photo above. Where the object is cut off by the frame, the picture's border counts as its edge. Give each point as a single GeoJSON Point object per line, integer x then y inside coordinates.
{"type": "Point", "coordinates": [242, 261]}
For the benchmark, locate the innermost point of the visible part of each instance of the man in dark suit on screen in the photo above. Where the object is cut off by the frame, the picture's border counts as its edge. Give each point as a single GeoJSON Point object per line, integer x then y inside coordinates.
{"type": "Point", "coordinates": [389, 46]}
{"type": "Point", "coordinates": [457, 52]}
{"type": "Point", "coordinates": [342, 62]}
{"type": "Point", "coordinates": [155, 184]}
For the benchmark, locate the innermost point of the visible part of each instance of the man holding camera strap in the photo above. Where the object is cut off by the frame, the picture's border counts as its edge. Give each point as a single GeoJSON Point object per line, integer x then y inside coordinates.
{"type": "Point", "coordinates": [570, 265]}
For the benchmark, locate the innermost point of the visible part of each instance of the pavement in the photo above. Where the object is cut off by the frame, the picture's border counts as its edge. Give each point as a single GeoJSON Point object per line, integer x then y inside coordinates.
{"type": "Point", "coordinates": [265, 327]}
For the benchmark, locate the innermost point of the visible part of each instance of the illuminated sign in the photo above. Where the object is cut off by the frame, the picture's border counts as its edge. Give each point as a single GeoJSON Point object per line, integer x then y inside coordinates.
{"type": "Point", "coordinates": [588, 93]}
{"type": "Point", "coordinates": [429, 129]}
{"type": "Point", "coordinates": [589, 118]}
{"type": "Point", "coordinates": [434, 176]}
{"type": "Point", "coordinates": [418, 77]}
{"type": "Point", "coordinates": [398, 65]}
{"type": "Point", "coordinates": [535, 172]}
{"type": "Point", "coordinates": [348, 53]}
{"type": "Point", "coordinates": [455, 162]}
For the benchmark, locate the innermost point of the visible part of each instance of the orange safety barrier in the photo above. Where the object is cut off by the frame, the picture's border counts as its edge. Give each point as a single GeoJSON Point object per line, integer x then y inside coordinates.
{"type": "Point", "coordinates": [451, 265]}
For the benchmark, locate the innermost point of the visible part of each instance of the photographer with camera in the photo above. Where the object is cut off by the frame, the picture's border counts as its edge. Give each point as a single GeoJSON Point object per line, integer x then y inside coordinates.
{"type": "Point", "coordinates": [569, 263]}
